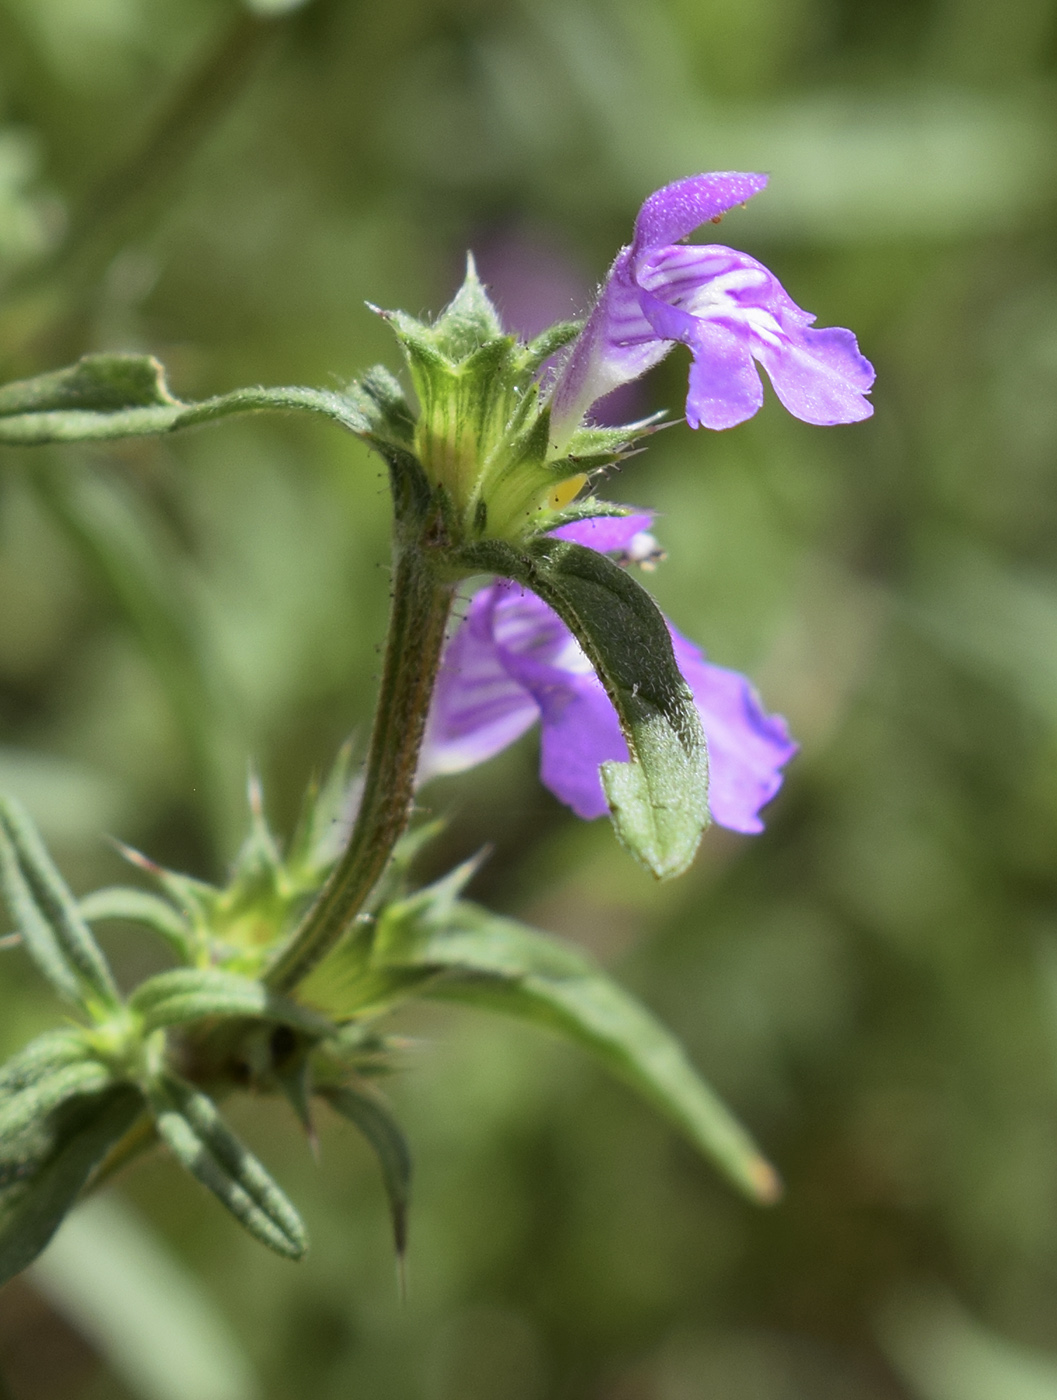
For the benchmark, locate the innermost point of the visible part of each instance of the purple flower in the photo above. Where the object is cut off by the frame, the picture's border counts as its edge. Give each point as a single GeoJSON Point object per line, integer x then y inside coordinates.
{"type": "Point", "coordinates": [725, 306]}
{"type": "Point", "coordinates": [512, 662]}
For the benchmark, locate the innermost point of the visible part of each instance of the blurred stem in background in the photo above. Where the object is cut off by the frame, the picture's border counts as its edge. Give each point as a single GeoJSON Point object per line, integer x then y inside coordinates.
{"type": "Point", "coordinates": [50, 301]}
{"type": "Point", "coordinates": [106, 526]}
{"type": "Point", "coordinates": [126, 554]}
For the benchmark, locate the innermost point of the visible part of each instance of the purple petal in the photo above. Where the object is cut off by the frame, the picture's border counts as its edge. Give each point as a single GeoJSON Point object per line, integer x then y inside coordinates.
{"type": "Point", "coordinates": [820, 376]}
{"type": "Point", "coordinates": [715, 299]}
{"type": "Point", "coordinates": [617, 345]}
{"type": "Point", "coordinates": [513, 661]}
{"type": "Point", "coordinates": [677, 209]}
{"type": "Point", "coordinates": [478, 709]}
{"type": "Point", "coordinates": [580, 732]}
{"type": "Point", "coordinates": [746, 746]}
{"type": "Point", "coordinates": [724, 387]}
{"type": "Point", "coordinates": [605, 533]}
{"type": "Point", "coordinates": [580, 729]}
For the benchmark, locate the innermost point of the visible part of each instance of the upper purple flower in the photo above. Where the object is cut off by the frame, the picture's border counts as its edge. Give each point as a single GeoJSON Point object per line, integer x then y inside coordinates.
{"type": "Point", "coordinates": [725, 306]}
{"type": "Point", "coordinates": [512, 661]}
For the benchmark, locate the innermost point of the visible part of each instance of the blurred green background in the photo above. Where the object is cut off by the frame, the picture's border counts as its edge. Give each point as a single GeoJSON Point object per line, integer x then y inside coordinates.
{"type": "Point", "coordinates": [872, 983]}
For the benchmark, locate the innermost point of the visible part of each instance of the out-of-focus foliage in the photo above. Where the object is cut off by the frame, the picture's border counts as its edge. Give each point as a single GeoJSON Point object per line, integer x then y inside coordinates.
{"type": "Point", "coordinates": [871, 983]}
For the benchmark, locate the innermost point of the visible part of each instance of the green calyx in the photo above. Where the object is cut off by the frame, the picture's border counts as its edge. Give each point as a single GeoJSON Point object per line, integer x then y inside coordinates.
{"type": "Point", "coordinates": [482, 430]}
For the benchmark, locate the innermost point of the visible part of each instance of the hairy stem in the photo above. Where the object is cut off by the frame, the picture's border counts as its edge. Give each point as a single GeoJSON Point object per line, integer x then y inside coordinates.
{"type": "Point", "coordinates": [417, 620]}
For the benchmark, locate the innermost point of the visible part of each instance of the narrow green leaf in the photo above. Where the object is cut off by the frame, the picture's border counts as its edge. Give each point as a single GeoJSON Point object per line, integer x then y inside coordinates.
{"type": "Point", "coordinates": [190, 994]}
{"type": "Point", "coordinates": [57, 937]}
{"type": "Point", "coordinates": [116, 396]}
{"type": "Point", "coordinates": [382, 1131]}
{"type": "Point", "coordinates": [481, 959]}
{"type": "Point", "coordinates": [48, 1052]}
{"type": "Point", "coordinates": [133, 906]}
{"type": "Point", "coordinates": [20, 1111]}
{"type": "Point", "coordinates": [43, 1172]}
{"type": "Point", "coordinates": [188, 1122]}
{"type": "Point", "coordinates": [95, 384]}
{"type": "Point", "coordinates": [658, 800]}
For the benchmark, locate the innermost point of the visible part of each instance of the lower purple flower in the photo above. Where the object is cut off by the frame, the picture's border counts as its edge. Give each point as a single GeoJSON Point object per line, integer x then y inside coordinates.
{"type": "Point", "coordinates": [512, 662]}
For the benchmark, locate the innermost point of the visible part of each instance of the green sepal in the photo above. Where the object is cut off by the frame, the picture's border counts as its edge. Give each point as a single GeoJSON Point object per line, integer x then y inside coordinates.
{"type": "Point", "coordinates": [293, 1076]}
{"type": "Point", "coordinates": [469, 320]}
{"type": "Point", "coordinates": [55, 934]}
{"type": "Point", "coordinates": [325, 820]}
{"type": "Point", "coordinates": [189, 994]}
{"type": "Point", "coordinates": [659, 799]}
{"type": "Point", "coordinates": [586, 508]}
{"type": "Point", "coordinates": [592, 446]}
{"type": "Point", "coordinates": [189, 1124]}
{"type": "Point", "coordinates": [132, 906]}
{"type": "Point", "coordinates": [549, 342]}
{"type": "Point", "coordinates": [385, 1135]}
{"type": "Point", "coordinates": [60, 1114]}
{"type": "Point", "coordinates": [481, 959]}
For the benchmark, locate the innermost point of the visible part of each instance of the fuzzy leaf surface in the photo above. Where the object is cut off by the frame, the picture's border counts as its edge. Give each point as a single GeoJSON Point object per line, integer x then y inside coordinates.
{"type": "Point", "coordinates": [134, 906]}
{"type": "Point", "coordinates": [483, 960]}
{"type": "Point", "coordinates": [55, 934]}
{"type": "Point", "coordinates": [188, 1122]}
{"type": "Point", "coordinates": [385, 1135]}
{"type": "Point", "coordinates": [59, 1117]}
{"type": "Point", "coordinates": [115, 396]}
{"type": "Point", "coordinates": [190, 994]}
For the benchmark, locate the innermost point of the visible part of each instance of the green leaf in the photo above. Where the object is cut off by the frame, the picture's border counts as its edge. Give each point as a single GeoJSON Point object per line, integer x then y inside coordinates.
{"type": "Point", "coordinates": [44, 1168]}
{"type": "Point", "coordinates": [116, 396]}
{"type": "Point", "coordinates": [325, 819]}
{"type": "Point", "coordinates": [20, 1111]}
{"type": "Point", "coordinates": [191, 994]}
{"type": "Point", "coordinates": [659, 799]}
{"type": "Point", "coordinates": [34, 1084]}
{"type": "Point", "coordinates": [95, 384]}
{"type": "Point", "coordinates": [188, 1122]}
{"type": "Point", "coordinates": [47, 1052]}
{"type": "Point", "coordinates": [133, 906]}
{"type": "Point", "coordinates": [385, 1135]}
{"type": "Point", "coordinates": [57, 937]}
{"type": "Point", "coordinates": [483, 960]}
